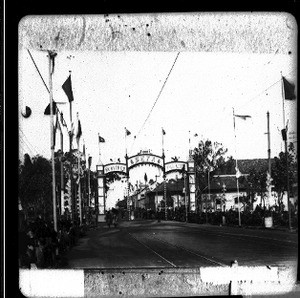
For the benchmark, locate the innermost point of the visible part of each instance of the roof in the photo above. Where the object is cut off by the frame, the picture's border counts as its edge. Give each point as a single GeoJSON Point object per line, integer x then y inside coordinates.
{"type": "Point", "coordinates": [245, 165]}
{"type": "Point", "coordinates": [172, 186]}
{"type": "Point", "coordinates": [228, 180]}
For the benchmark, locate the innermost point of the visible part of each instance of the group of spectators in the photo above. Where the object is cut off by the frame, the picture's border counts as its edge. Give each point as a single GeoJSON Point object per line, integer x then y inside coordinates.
{"type": "Point", "coordinates": [229, 217]}
{"type": "Point", "coordinates": [40, 246]}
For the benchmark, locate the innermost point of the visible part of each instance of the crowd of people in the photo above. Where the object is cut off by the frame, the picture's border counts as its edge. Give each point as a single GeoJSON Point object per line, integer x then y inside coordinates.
{"type": "Point", "coordinates": [229, 217]}
{"type": "Point", "coordinates": [40, 246]}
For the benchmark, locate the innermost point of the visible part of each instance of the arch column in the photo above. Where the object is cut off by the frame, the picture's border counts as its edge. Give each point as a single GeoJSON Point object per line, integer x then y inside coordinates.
{"type": "Point", "coordinates": [191, 183]}
{"type": "Point", "coordinates": [101, 206]}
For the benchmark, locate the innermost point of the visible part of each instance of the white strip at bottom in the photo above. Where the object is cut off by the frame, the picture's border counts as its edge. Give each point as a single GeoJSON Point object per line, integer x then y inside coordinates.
{"type": "Point", "coordinates": [51, 283]}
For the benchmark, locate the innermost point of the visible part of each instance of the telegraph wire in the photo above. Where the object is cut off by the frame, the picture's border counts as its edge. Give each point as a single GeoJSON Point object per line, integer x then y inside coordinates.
{"type": "Point", "coordinates": [247, 102]}
{"type": "Point", "coordinates": [157, 98]}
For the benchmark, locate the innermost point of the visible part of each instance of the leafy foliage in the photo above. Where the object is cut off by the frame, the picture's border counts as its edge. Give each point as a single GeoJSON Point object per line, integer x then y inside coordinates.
{"type": "Point", "coordinates": [208, 157]}
{"type": "Point", "coordinates": [35, 184]}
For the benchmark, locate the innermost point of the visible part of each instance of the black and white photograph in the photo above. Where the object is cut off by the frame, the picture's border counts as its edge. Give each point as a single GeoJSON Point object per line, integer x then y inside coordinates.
{"type": "Point", "coordinates": [158, 155]}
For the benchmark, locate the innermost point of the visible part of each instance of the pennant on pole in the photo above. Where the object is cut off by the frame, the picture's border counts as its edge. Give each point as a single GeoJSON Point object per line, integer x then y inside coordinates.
{"type": "Point", "coordinates": [127, 132]}
{"type": "Point", "coordinates": [62, 120]}
{"type": "Point", "coordinates": [54, 131]}
{"type": "Point", "coordinates": [67, 87]}
{"type": "Point", "coordinates": [83, 152]}
{"type": "Point", "coordinates": [79, 132]}
{"type": "Point", "coordinates": [90, 161]}
{"type": "Point", "coordinates": [101, 140]}
{"type": "Point", "coordinates": [289, 89]}
{"type": "Point", "coordinates": [47, 110]}
{"type": "Point", "coordinates": [163, 131]}
{"type": "Point", "coordinates": [244, 117]}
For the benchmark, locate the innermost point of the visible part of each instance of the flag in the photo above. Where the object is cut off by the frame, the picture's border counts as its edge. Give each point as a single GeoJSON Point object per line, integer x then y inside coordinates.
{"type": "Point", "coordinates": [79, 132]}
{"type": "Point", "coordinates": [84, 157]}
{"type": "Point", "coordinates": [67, 87]}
{"type": "Point", "coordinates": [289, 89]}
{"type": "Point", "coordinates": [238, 174]}
{"type": "Point", "coordinates": [62, 120]}
{"type": "Point", "coordinates": [54, 131]}
{"type": "Point", "coordinates": [284, 134]}
{"type": "Point", "coordinates": [47, 110]}
{"type": "Point", "coordinates": [145, 177]}
{"type": "Point", "coordinates": [244, 117]}
{"type": "Point", "coordinates": [127, 132]}
{"type": "Point", "coordinates": [90, 161]}
{"type": "Point", "coordinates": [27, 112]}
{"type": "Point", "coordinates": [163, 131]}
{"type": "Point", "coordinates": [101, 140]}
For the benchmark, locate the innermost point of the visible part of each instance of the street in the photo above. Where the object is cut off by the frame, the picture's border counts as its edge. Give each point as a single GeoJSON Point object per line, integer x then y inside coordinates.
{"type": "Point", "coordinates": [152, 244]}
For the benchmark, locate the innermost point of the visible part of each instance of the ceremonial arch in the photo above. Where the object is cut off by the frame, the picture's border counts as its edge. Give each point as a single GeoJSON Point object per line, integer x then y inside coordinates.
{"type": "Point", "coordinates": [146, 157]}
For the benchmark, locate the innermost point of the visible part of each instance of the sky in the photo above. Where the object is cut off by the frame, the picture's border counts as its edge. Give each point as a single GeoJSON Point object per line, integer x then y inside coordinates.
{"type": "Point", "coordinates": [187, 93]}
{"type": "Point", "coordinates": [117, 90]}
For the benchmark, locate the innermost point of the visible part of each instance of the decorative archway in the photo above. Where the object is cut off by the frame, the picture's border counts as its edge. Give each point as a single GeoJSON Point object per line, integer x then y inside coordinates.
{"type": "Point", "coordinates": [148, 158]}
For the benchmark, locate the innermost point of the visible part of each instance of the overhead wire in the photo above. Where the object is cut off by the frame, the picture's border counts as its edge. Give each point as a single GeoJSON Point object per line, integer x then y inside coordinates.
{"type": "Point", "coordinates": [44, 83]}
{"type": "Point", "coordinates": [224, 115]}
{"type": "Point", "coordinates": [156, 100]}
{"type": "Point", "coordinates": [25, 141]}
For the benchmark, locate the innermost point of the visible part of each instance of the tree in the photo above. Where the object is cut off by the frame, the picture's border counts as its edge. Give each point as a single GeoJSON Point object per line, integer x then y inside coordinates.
{"type": "Point", "coordinates": [35, 182]}
{"type": "Point", "coordinates": [279, 173]}
{"type": "Point", "coordinates": [256, 182]}
{"type": "Point", "coordinates": [208, 156]}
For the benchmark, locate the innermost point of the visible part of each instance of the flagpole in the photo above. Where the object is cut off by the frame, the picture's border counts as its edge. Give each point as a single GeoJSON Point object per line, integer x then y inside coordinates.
{"type": "Point", "coordinates": [125, 141]}
{"type": "Point", "coordinates": [286, 154]}
{"type": "Point", "coordinates": [79, 185]}
{"type": "Point", "coordinates": [99, 147]}
{"type": "Point", "coordinates": [162, 140]}
{"type": "Point", "coordinates": [127, 177]}
{"type": "Point", "coordinates": [79, 168]}
{"type": "Point", "coordinates": [61, 172]}
{"type": "Point", "coordinates": [269, 154]}
{"type": "Point", "coordinates": [190, 143]}
{"type": "Point", "coordinates": [236, 166]}
{"type": "Point", "coordinates": [51, 55]}
{"type": "Point", "coordinates": [89, 182]}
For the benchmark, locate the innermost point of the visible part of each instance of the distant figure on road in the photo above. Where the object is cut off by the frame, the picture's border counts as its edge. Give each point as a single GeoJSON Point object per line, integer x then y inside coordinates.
{"type": "Point", "coordinates": [109, 218]}
{"type": "Point", "coordinates": [115, 220]}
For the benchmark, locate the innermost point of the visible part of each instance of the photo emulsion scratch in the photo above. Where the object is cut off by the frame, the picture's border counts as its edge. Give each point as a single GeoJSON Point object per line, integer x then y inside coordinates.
{"type": "Point", "coordinates": [158, 155]}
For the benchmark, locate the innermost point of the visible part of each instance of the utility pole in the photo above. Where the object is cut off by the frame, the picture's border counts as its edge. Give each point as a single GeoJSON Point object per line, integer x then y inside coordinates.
{"type": "Point", "coordinates": [51, 56]}
{"type": "Point", "coordinates": [62, 175]}
{"type": "Point", "coordinates": [269, 156]}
